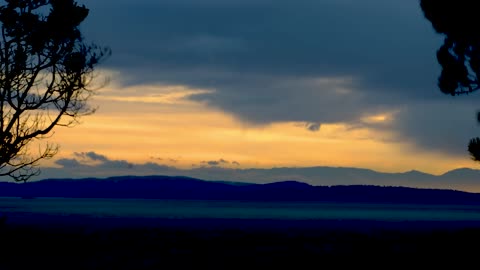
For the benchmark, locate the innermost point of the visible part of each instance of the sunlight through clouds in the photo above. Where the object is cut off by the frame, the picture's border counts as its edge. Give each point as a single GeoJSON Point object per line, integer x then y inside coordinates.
{"type": "Point", "coordinates": [382, 118]}
{"type": "Point", "coordinates": [296, 84]}
{"type": "Point", "coordinates": [188, 133]}
{"type": "Point", "coordinates": [152, 94]}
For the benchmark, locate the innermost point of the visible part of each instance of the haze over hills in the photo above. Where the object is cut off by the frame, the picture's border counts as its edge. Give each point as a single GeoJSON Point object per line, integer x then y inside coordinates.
{"type": "Point", "coordinates": [184, 188]}
{"type": "Point", "coordinates": [463, 179]}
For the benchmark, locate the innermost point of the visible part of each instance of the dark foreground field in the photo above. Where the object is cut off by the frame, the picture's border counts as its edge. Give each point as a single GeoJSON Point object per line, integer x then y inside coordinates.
{"type": "Point", "coordinates": [236, 244]}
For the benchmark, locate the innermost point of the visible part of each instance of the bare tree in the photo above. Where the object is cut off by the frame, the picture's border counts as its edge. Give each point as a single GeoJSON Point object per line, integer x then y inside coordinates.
{"type": "Point", "coordinates": [46, 69]}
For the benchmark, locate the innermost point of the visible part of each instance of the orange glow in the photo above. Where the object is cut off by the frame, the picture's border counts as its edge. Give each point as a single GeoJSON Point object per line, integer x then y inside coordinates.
{"type": "Point", "coordinates": [131, 128]}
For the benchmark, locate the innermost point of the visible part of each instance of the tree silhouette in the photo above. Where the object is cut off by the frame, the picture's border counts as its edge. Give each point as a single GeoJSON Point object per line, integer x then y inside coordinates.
{"type": "Point", "coordinates": [459, 56]}
{"type": "Point", "coordinates": [45, 70]}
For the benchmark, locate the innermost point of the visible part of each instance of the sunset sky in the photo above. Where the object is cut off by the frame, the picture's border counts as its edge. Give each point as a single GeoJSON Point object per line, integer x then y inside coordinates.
{"type": "Point", "coordinates": [264, 83]}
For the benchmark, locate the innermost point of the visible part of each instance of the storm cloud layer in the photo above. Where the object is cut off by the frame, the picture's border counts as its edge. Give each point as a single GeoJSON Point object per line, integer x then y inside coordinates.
{"type": "Point", "coordinates": [316, 62]}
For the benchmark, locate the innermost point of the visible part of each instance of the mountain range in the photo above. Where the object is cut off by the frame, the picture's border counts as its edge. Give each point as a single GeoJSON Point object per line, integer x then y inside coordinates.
{"type": "Point", "coordinates": [185, 188]}
{"type": "Point", "coordinates": [463, 179]}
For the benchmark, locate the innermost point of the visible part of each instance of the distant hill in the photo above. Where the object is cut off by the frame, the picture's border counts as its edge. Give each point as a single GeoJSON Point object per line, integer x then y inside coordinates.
{"type": "Point", "coordinates": [464, 179]}
{"type": "Point", "coordinates": [185, 188]}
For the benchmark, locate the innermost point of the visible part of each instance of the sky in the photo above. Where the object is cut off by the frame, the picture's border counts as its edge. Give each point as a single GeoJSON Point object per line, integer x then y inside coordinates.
{"type": "Point", "coordinates": [263, 84]}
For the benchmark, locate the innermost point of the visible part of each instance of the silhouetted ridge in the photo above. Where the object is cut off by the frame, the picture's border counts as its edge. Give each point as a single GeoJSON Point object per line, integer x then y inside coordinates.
{"type": "Point", "coordinates": [184, 188]}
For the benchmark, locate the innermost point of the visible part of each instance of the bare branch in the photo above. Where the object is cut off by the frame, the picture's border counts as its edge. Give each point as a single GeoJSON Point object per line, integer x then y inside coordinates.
{"type": "Point", "coordinates": [45, 70]}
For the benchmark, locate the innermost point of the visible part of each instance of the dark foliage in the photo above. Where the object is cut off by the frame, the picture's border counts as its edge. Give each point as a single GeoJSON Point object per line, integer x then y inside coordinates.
{"type": "Point", "coordinates": [459, 55]}
{"type": "Point", "coordinates": [474, 148]}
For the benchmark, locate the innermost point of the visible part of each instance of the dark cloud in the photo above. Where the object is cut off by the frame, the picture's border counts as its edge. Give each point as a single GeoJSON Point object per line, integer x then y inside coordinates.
{"type": "Point", "coordinates": [68, 163]}
{"type": "Point", "coordinates": [211, 162]}
{"type": "Point", "coordinates": [300, 37]}
{"type": "Point", "coordinates": [151, 166]}
{"type": "Point", "coordinates": [79, 166]}
{"type": "Point", "coordinates": [164, 159]}
{"type": "Point", "coordinates": [84, 158]}
{"type": "Point", "coordinates": [329, 61]}
{"type": "Point", "coordinates": [218, 162]}
{"type": "Point", "coordinates": [440, 126]}
{"type": "Point", "coordinates": [313, 126]}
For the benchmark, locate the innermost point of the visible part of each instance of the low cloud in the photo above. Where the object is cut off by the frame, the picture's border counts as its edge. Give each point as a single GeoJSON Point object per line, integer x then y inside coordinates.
{"type": "Point", "coordinates": [212, 163]}
{"type": "Point", "coordinates": [81, 165]}
{"type": "Point", "coordinates": [68, 163]}
{"type": "Point", "coordinates": [164, 159]}
{"type": "Point", "coordinates": [219, 162]}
